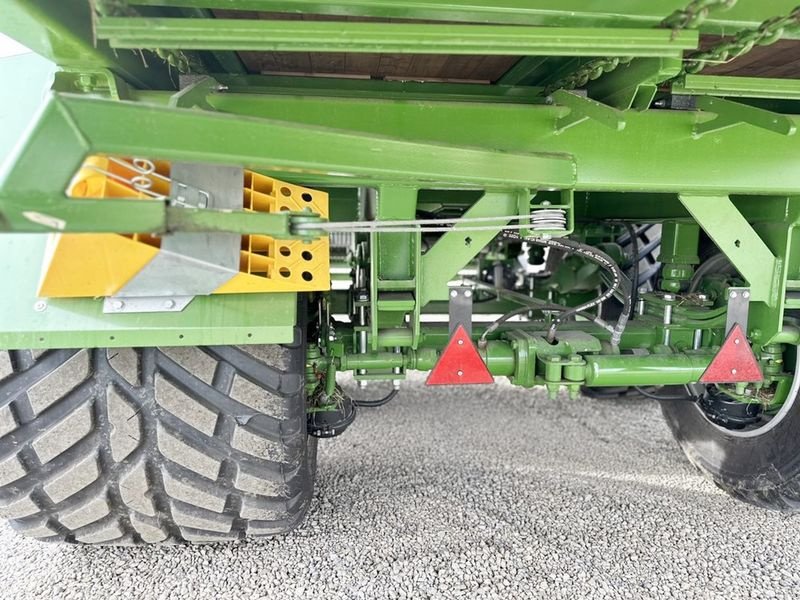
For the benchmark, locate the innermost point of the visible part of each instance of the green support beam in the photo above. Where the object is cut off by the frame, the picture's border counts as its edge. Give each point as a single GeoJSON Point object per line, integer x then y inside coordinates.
{"type": "Point", "coordinates": [354, 37]}
{"type": "Point", "coordinates": [656, 152]}
{"type": "Point", "coordinates": [455, 248]}
{"type": "Point", "coordinates": [737, 239]}
{"type": "Point", "coordinates": [738, 87]}
{"type": "Point", "coordinates": [71, 127]}
{"type": "Point", "coordinates": [548, 13]}
{"type": "Point", "coordinates": [373, 89]}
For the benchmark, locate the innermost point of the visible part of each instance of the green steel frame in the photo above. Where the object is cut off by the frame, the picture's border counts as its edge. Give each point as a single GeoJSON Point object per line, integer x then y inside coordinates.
{"type": "Point", "coordinates": [473, 150]}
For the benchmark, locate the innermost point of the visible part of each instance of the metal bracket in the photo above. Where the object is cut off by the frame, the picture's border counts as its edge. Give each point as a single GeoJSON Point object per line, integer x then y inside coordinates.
{"type": "Point", "coordinates": [196, 94]}
{"type": "Point", "coordinates": [738, 308]}
{"type": "Point", "coordinates": [737, 239]}
{"type": "Point", "coordinates": [584, 109]}
{"type": "Point", "coordinates": [99, 82]}
{"type": "Point", "coordinates": [730, 114]}
{"type": "Point", "coordinates": [634, 85]}
{"type": "Point", "coordinates": [461, 309]}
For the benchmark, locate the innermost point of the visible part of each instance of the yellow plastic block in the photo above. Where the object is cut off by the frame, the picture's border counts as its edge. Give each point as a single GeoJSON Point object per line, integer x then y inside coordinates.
{"type": "Point", "coordinates": [82, 265]}
{"type": "Point", "coordinates": [92, 264]}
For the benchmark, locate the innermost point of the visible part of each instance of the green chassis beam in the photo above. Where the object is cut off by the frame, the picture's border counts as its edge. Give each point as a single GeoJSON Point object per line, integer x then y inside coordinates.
{"type": "Point", "coordinates": [323, 36]}
{"type": "Point", "coordinates": [27, 322]}
{"type": "Point", "coordinates": [77, 126]}
{"type": "Point", "coordinates": [367, 89]}
{"type": "Point", "coordinates": [738, 87]}
{"type": "Point", "coordinates": [61, 31]}
{"type": "Point", "coordinates": [656, 152]}
{"type": "Point", "coordinates": [548, 13]}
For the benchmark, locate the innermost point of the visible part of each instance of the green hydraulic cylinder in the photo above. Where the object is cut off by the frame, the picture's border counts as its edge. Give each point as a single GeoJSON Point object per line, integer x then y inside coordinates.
{"type": "Point", "coordinates": [499, 357]}
{"type": "Point", "coordinates": [651, 369]}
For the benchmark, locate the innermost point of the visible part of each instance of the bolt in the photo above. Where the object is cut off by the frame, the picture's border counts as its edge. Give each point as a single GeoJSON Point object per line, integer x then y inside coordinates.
{"type": "Point", "coordinates": [169, 304]}
{"type": "Point", "coordinates": [40, 306]}
{"type": "Point", "coordinates": [733, 371]}
{"type": "Point", "coordinates": [734, 295]}
{"type": "Point", "coordinates": [737, 341]}
{"type": "Point", "coordinates": [702, 297]}
{"type": "Point", "coordinates": [453, 293]}
{"type": "Point", "coordinates": [746, 295]}
{"type": "Point", "coordinates": [460, 342]}
{"type": "Point", "coordinates": [460, 373]}
{"type": "Point", "coordinates": [117, 305]}
{"type": "Point", "coordinates": [468, 293]}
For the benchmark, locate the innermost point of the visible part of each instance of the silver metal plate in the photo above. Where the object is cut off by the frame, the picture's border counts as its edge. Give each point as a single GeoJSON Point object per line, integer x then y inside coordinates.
{"type": "Point", "coordinates": [738, 308]}
{"type": "Point", "coordinates": [460, 309]}
{"type": "Point", "coordinates": [189, 264]}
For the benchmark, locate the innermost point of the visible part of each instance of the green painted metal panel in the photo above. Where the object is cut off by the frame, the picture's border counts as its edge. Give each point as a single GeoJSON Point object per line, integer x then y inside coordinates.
{"type": "Point", "coordinates": [550, 13]}
{"type": "Point", "coordinates": [81, 323]}
{"type": "Point", "coordinates": [656, 152]}
{"type": "Point", "coordinates": [323, 36]}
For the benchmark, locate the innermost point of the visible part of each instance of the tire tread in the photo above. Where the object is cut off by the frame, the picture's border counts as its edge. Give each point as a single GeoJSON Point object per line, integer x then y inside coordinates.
{"type": "Point", "coordinates": [119, 493]}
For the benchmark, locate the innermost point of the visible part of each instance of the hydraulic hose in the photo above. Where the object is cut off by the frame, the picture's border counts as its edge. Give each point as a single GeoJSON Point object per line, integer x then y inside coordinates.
{"type": "Point", "coordinates": [600, 258]}
{"type": "Point", "coordinates": [376, 403]}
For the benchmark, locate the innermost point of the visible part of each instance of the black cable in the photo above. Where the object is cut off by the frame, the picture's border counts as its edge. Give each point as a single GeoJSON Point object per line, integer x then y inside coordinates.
{"type": "Point", "coordinates": [646, 394]}
{"type": "Point", "coordinates": [498, 322]}
{"type": "Point", "coordinates": [598, 257]}
{"type": "Point", "coordinates": [376, 403]}
{"type": "Point", "coordinates": [545, 307]}
{"type": "Point", "coordinates": [634, 235]}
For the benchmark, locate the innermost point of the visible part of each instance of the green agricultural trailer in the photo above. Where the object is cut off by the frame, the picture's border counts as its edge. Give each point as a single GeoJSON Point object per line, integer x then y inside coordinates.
{"type": "Point", "coordinates": [223, 205]}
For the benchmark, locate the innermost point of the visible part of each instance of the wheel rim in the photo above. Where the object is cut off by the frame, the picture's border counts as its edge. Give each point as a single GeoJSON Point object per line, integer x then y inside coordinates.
{"type": "Point", "coordinates": [773, 422]}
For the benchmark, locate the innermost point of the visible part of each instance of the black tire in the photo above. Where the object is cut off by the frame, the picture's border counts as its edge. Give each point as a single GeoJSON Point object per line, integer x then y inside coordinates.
{"type": "Point", "coordinates": [125, 446]}
{"type": "Point", "coordinates": [763, 469]}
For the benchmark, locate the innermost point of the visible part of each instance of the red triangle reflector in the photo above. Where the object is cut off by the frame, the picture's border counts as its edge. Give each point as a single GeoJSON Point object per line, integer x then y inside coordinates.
{"type": "Point", "coordinates": [460, 363]}
{"type": "Point", "coordinates": [735, 361]}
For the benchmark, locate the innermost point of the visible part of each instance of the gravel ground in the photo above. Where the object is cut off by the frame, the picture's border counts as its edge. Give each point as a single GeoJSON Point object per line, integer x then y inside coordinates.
{"type": "Point", "coordinates": [478, 493]}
